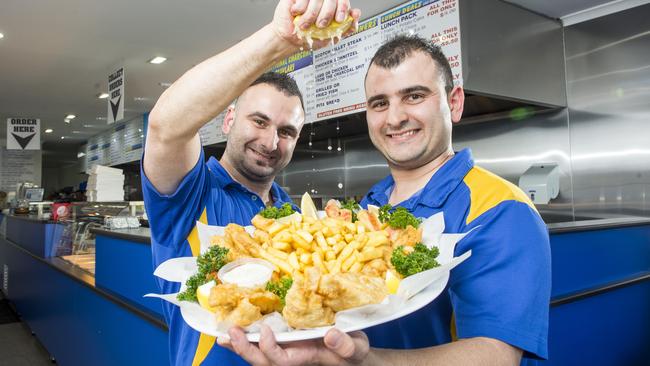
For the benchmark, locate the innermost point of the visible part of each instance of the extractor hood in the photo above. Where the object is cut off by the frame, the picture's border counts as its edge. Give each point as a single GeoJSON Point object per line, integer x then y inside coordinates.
{"type": "Point", "coordinates": [512, 54]}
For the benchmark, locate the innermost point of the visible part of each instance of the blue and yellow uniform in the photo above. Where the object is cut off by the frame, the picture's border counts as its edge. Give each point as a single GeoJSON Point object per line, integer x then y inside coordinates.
{"type": "Point", "coordinates": [503, 290]}
{"type": "Point", "coordinates": [207, 194]}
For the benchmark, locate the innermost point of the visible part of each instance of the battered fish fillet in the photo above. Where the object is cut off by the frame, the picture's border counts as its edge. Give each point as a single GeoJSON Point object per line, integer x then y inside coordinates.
{"type": "Point", "coordinates": [303, 306]}
{"type": "Point", "coordinates": [242, 240]}
{"type": "Point", "coordinates": [344, 291]}
{"type": "Point", "coordinates": [242, 306]}
{"type": "Point", "coordinates": [406, 237]}
{"type": "Point", "coordinates": [233, 252]}
{"type": "Point", "coordinates": [312, 301]}
{"type": "Point", "coordinates": [376, 268]}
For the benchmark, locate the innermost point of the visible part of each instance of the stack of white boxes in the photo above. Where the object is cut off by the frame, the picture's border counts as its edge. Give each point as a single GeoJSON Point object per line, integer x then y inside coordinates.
{"type": "Point", "coordinates": [105, 184]}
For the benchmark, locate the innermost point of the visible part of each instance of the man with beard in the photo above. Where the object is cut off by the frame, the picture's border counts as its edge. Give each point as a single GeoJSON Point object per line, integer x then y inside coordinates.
{"type": "Point", "coordinates": [262, 127]}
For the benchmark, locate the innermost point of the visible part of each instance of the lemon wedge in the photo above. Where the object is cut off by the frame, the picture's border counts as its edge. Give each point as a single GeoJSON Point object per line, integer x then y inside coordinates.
{"type": "Point", "coordinates": [333, 30]}
{"type": "Point", "coordinates": [203, 294]}
{"type": "Point", "coordinates": [307, 206]}
{"type": "Point", "coordinates": [392, 282]}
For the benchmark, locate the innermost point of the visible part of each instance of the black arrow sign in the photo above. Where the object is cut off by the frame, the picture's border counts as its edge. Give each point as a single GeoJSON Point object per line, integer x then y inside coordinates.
{"type": "Point", "coordinates": [115, 107]}
{"type": "Point", "coordinates": [23, 141]}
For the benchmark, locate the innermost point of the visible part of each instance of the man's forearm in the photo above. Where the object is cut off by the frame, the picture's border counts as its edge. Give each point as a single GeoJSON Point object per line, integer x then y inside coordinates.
{"type": "Point", "coordinates": [207, 89]}
{"type": "Point", "coordinates": [472, 351]}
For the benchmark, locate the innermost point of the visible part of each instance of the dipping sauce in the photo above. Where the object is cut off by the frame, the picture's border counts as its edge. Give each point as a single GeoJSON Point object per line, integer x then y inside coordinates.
{"type": "Point", "coordinates": [248, 275]}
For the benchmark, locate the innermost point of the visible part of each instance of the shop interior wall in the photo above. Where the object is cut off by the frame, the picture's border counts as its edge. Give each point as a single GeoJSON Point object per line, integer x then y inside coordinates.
{"type": "Point", "coordinates": [55, 179]}
{"type": "Point", "coordinates": [600, 142]}
{"type": "Point", "coordinates": [61, 167]}
{"type": "Point", "coordinates": [608, 84]}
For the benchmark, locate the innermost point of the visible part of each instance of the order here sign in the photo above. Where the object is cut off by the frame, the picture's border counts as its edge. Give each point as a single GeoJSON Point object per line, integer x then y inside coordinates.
{"type": "Point", "coordinates": [23, 134]}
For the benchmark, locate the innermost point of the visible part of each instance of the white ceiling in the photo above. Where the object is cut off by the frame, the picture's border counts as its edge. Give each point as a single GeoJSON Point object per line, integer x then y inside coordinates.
{"type": "Point", "coordinates": [56, 55]}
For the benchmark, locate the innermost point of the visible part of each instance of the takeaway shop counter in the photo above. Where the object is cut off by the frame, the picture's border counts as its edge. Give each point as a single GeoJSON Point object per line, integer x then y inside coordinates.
{"type": "Point", "coordinates": [70, 309]}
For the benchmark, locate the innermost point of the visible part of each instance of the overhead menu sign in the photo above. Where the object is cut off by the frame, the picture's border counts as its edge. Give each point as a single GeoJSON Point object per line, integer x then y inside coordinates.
{"type": "Point", "coordinates": [300, 67]}
{"type": "Point", "coordinates": [332, 84]}
{"type": "Point", "coordinates": [120, 144]}
{"type": "Point", "coordinates": [23, 134]}
{"type": "Point", "coordinates": [340, 70]}
{"type": "Point", "coordinates": [116, 96]}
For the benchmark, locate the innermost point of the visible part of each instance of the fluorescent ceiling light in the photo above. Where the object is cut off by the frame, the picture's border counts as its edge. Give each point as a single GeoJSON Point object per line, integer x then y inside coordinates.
{"type": "Point", "coordinates": [102, 95]}
{"type": "Point", "coordinates": [2, 36]}
{"type": "Point", "coordinates": [81, 154]}
{"type": "Point", "coordinates": [67, 120]}
{"type": "Point", "coordinates": [49, 130]}
{"type": "Point", "coordinates": [70, 116]}
{"type": "Point", "coordinates": [157, 60]}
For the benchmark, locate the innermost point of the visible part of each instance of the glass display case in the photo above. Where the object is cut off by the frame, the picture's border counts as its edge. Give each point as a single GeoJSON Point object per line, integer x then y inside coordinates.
{"type": "Point", "coordinates": [76, 244]}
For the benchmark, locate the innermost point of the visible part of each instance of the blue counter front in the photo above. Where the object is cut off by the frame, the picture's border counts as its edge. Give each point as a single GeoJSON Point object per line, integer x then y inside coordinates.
{"type": "Point", "coordinates": [40, 237]}
{"type": "Point", "coordinates": [123, 266]}
{"type": "Point", "coordinates": [600, 305]}
{"type": "Point", "coordinates": [78, 322]}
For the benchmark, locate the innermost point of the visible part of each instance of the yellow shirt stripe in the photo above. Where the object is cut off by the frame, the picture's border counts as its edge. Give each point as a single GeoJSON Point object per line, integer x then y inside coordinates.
{"type": "Point", "coordinates": [452, 327]}
{"type": "Point", "coordinates": [205, 345]}
{"type": "Point", "coordinates": [193, 238]}
{"type": "Point", "coordinates": [205, 341]}
{"type": "Point", "coordinates": [487, 190]}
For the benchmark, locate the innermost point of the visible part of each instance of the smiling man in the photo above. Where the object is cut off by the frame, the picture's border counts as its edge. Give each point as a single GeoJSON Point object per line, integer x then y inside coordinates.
{"type": "Point", "coordinates": [495, 308]}
{"type": "Point", "coordinates": [263, 126]}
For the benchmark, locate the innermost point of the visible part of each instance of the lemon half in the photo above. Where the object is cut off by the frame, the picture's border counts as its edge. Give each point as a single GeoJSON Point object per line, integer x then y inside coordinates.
{"type": "Point", "coordinates": [203, 294]}
{"type": "Point", "coordinates": [334, 29]}
{"type": "Point", "coordinates": [392, 282]}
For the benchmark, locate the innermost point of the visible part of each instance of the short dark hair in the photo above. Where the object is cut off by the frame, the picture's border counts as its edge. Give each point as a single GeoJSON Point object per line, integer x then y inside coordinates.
{"type": "Point", "coordinates": [282, 83]}
{"type": "Point", "coordinates": [397, 49]}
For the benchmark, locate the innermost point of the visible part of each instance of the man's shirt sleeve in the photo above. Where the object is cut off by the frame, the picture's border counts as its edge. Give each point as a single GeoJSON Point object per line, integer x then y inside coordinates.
{"type": "Point", "coordinates": [172, 216]}
{"type": "Point", "coordinates": [502, 291]}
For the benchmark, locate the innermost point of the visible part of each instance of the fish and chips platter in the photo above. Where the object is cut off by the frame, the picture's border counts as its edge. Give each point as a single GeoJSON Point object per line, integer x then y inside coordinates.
{"type": "Point", "coordinates": [304, 273]}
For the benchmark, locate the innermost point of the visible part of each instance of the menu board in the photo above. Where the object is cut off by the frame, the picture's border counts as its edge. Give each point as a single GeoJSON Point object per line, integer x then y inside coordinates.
{"type": "Point", "coordinates": [300, 67]}
{"type": "Point", "coordinates": [118, 145]}
{"type": "Point", "coordinates": [339, 71]}
{"type": "Point", "coordinates": [123, 142]}
{"type": "Point", "coordinates": [332, 83]}
{"type": "Point", "coordinates": [18, 166]}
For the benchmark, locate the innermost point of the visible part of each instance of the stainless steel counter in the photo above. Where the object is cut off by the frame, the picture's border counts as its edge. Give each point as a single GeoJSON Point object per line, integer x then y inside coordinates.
{"type": "Point", "coordinates": [596, 224]}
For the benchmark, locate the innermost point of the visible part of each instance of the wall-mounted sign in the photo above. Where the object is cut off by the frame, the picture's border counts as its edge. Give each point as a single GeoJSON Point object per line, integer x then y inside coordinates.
{"type": "Point", "coordinates": [331, 79]}
{"type": "Point", "coordinates": [116, 96]}
{"type": "Point", "coordinates": [118, 145]}
{"type": "Point", "coordinates": [23, 134]}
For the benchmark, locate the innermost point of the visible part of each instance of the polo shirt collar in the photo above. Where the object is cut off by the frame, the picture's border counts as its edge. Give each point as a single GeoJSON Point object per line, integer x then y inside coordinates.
{"type": "Point", "coordinates": [225, 181]}
{"type": "Point", "coordinates": [436, 191]}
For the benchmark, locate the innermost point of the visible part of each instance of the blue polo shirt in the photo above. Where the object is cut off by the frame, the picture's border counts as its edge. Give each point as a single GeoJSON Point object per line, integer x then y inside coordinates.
{"type": "Point", "coordinates": [210, 195]}
{"type": "Point", "coordinates": [503, 290]}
